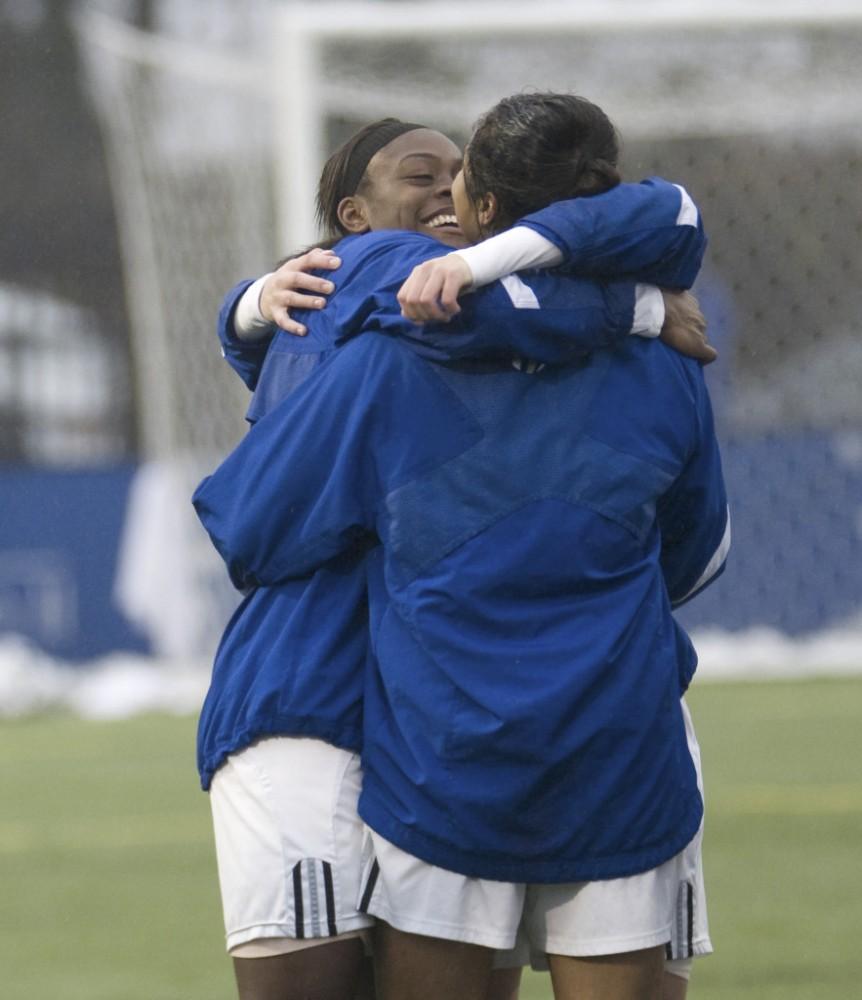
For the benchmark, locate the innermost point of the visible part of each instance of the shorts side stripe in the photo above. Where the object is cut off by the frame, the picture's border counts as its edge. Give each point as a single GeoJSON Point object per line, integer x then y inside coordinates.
{"type": "Point", "coordinates": [330, 898]}
{"type": "Point", "coordinates": [299, 929]}
{"type": "Point", "coordinates": [690, 928]}
{"type": "Point", "coordinates": [369, 887]}
{"type": "Point", "coordinates": [682, 935]}
{"type": "Point", "coordinates": [313, 883]}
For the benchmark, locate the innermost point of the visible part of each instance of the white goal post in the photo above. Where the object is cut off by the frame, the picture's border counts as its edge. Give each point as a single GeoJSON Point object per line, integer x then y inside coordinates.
{"type": "Point", "coordinates": [215, 148]}
{"type": "Point", "coordinates": [302, 29]}
{"type": "Point", "coordinates": [218, 120]}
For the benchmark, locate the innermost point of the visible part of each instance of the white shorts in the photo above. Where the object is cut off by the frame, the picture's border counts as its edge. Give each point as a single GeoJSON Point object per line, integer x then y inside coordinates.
{"type": "Point", "coordinates": [664, 906]}
{"type": "Point", "coordinates": [288, 844]}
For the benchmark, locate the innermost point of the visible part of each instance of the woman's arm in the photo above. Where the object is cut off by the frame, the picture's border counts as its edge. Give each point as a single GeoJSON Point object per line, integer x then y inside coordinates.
{"type": "Point", "coordinates": [268, 303]}
{"type": "Point", "coordinates": [652, 232]}
{"type": "Point", "coordinates": [693, 516]}
{"type": "Point", "coordinates": [253, 311]}
{"type": "Point", "coordinates": [546, 317]}
{"type": "Point", "coordinates": [308, 480]}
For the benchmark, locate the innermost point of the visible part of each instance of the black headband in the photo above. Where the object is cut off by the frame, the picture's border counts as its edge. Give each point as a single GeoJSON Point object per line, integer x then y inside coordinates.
{"type": "Point", "coordinates": [367, 147]}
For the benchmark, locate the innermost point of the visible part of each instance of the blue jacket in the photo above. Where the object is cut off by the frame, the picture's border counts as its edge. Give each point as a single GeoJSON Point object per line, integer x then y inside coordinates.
{"type": "Point", "coordinates": [523, 722]}
{"type": "Point", "coordinates": [649, 232]}
{"type": "Point", "coordinates": [291, 659]}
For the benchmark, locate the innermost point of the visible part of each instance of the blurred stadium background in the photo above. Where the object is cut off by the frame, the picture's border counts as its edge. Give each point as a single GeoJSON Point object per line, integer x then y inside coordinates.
{"type": "Point", "coordinates": [157, 151]}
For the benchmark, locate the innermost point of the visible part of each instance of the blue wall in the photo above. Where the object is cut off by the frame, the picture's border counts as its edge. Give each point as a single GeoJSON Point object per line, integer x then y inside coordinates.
{"type": "Point", "coordinates": [796, 558]}
{"type": "Point", "coordinates": [59, 534]}
{"type": "Point", "coordinates": [795, 564]}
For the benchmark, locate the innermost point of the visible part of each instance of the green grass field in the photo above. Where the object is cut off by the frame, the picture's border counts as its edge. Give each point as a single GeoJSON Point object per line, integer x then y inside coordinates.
{"type": "Point", "coordinates": [107, 875]}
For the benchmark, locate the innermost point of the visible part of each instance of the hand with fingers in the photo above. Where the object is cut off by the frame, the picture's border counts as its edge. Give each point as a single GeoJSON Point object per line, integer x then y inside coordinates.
{"type": "Point", "coordinates": [684, 327]}
{"type": "Point", "coordinates": [431, 292]}
{"type": "Point", "coordinates": [292, 286]}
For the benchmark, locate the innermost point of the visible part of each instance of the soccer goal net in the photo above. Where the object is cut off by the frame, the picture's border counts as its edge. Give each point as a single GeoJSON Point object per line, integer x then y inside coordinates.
{"type": "Point", "coordinates": [219, 118]}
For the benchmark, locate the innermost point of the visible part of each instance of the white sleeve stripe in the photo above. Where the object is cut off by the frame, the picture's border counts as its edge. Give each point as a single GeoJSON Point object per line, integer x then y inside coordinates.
{"type": "Point", "coordinates": [248, 321]}
{"type": "Point", "coordinates": [649, 311]}
{"type": "Point", "coordinates": [687, 215]}
{"type": "Point", "coordinates": [714, 564]}
{"type": "Point", "coordinates": [522, 296]}
{"type": "Point", "coordinates": [527, 366]}
{"type": "Point", "coordinates": [515, 250]}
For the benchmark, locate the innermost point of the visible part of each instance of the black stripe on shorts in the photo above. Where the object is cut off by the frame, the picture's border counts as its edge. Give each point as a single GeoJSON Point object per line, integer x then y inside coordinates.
{"type": "Point", "coordinates": [689, 901]}
{"type": "Point", "coordinates": [330, 898]}
{"type": "Point", "coordinates": [369, 887]}
{"type": "Point", "coordinates": [297, 901]}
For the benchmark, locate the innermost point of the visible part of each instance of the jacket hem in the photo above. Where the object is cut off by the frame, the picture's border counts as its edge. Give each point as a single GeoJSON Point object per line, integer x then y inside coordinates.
{"type": "Point", "coordinates": [344, 737]}
{"type": "Point", "coordinates": [503, 869]}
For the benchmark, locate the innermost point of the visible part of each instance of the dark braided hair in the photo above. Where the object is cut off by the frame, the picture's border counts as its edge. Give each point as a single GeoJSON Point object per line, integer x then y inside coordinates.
{"type": "Point", "coordinates": [533, 149]}
{"type": "Point", "coordinates": [344, 172]}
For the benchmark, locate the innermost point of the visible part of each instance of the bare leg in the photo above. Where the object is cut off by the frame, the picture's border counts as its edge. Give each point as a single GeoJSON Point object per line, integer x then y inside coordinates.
{"type": "Point", "coordinates": [415, 967]}
{"type": "Point", "coordinates": [326, 972]}
{"type": "Point", "coordinates": [505, 984]}
{"type": "Point", "coordinates": [365, 989]}
{"type": "Point", "coordinates": [674, 987]}
{"type": "Point", "coordinates": [634, 975]}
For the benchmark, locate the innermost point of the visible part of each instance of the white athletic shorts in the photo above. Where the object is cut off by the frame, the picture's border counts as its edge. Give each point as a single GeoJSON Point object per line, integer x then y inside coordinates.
{"type": "Point", "coordinates": [288, 844]}
{"type": "Point", "coordinates": [664, 906]}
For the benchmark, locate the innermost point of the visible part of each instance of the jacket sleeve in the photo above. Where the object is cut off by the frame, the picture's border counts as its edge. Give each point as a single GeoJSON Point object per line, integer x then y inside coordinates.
{"type": "Point", "coordinates": [307, 482]}
{"type": "Point", "coordinates": [693, 516]}
{"type": "Point", "coordinates": [246, 357]}
{"type": "Point", "coordinates": [546, 316]}
{"type": "Point", "coordinates": [650, 232]}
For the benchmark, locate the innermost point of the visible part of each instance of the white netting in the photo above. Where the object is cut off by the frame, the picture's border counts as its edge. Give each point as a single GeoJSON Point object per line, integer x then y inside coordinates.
{"type": "Point", "coordinates": [186, 128]}
{"type": "Point", "coordinates": [761, 118]}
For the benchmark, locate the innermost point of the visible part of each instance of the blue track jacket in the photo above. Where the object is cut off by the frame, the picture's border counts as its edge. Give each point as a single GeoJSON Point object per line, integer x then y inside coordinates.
{"type": "Point", "coordinates": [291, 659]}
{"type": "Point", "coordinates": [524, 721]}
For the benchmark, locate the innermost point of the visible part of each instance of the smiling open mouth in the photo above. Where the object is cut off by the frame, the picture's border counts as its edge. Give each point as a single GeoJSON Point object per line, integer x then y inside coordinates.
{"type": "Point", "coordinates": [445, 220]}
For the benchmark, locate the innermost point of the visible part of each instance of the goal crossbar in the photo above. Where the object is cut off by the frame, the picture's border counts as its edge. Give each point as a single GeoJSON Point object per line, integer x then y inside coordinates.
{"type": "Point", "coordinates": [302, 29]}
{"type": "Point", "coordinates": [393, 20]}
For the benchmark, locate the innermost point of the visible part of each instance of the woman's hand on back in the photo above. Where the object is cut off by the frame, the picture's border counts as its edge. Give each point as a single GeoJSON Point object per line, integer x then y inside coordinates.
{"type": "Point", "coordinates": [293, 287]}
{"type": "Point", "coordinates": [431, 292]}
{"type": "Point", "coordinates": [684, 327]}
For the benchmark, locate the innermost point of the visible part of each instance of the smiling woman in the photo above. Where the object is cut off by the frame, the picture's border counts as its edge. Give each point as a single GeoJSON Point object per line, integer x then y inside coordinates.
{"type": "Point", "coordinates": [389, 175]}
{"type": "Point", "coordinates": [392, 175]}
{"type": "Point", "coordinates": [288, 835]}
